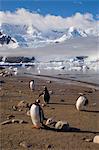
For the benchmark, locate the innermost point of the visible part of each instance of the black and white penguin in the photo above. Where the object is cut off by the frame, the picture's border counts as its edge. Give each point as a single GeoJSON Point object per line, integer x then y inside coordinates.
{"type": "Point", "coordinates": [81, 102]}
{"type": "Point", "coordinates": [36, 114]}
{"type": "Point", "coordinates": [32, 85]}
{"type": "Point", "coordinates": [46, 95]}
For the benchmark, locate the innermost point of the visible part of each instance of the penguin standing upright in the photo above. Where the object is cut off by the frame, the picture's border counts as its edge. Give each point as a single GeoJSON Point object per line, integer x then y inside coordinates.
{"type": "Point", "coordinates": [36, 114]}
{"type": "Point", "coordinates": [45, 95]}
{"type": "Point", "coordinates": [81, 102]}
{"type": "Point", "coordinates": [32, 85]}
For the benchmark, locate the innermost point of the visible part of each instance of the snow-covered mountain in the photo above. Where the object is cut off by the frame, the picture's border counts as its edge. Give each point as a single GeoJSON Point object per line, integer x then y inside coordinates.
{"type": "Point", "coordinates": [71, 33]}
{"type": "Point", "coordinates": [30, 36]}
{"type": "Point", "coordinates": [7, 41]}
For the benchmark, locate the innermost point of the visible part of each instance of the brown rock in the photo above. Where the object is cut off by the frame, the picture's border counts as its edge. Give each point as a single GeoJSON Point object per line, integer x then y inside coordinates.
{"type": "Point", "coordinates": [96, 139]}
{"type": "Point", "coordinates": [25, 145]}
{"type": "Point", "coordinates": [20, 121]}
{"type": "Point", "coordinates": [6, 122]}
{"type": "Point", "coordinates": [63, 125]}
{"type": "Point", "coordinates": [88, 140]}
{"type": "Point", "coordinates": [48, 81]}
{"type": "Point", "coordinates": [22, 104]}
{"type": "Point", "coordinates": [49, 146]}
{"type": "Point", "coordinates": [50, 92]}
{"type": "Point", "coordinates": [43, 105]}
{"type": "Point", "coordinates": [20, 109]}
{"type": "Point", "coordinates": [14, 108]}
{"type": "Point", "coordinates": [28, 113]}
{"type": "Point", "coordinates": [62, 100]}
{"type": "Point", "coordinates": [10, 116]}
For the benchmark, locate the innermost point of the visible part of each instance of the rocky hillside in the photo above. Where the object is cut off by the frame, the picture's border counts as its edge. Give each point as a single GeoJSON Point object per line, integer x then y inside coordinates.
{"type": "Point", "coordinates": [17, 59]}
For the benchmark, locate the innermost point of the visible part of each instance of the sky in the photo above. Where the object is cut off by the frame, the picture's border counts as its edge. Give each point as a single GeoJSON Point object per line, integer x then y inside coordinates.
{"type": "Point", "coordinates": [62, 8]}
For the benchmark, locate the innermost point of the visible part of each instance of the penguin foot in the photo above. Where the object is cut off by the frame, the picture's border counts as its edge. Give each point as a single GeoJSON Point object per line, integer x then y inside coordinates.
{"type": "Point", "coordinates": [35, 127]}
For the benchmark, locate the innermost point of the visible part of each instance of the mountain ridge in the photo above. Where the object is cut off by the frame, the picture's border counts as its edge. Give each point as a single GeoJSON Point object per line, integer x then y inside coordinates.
{"type": "Point", "coordinates": [30, 36]}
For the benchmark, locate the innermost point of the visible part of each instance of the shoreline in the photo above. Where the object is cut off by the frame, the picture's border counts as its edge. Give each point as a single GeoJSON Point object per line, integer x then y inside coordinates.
{"type": "Point", "coordinates": [66, 80]}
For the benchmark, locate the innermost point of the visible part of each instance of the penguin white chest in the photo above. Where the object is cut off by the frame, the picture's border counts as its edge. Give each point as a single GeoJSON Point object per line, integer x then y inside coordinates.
{"type": "Point", "coordinates": [80, 103]}
{"type": "Point", "coordinates": [31, 85]}
{"type": "Point", "coordinates": [35, 116]}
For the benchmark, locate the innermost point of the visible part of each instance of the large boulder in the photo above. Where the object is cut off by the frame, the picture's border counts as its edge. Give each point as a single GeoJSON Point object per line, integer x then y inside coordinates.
{"type": "Point", "coordinates": [62, 125]}
{"type": "Point", "coordinates": [58, 125]}
{"type": "Point", "coordinates": [96, 139]}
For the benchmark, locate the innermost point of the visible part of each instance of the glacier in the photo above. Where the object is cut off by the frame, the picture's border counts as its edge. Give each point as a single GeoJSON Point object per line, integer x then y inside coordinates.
{"type": "Point", "coordinates": [29, 36]}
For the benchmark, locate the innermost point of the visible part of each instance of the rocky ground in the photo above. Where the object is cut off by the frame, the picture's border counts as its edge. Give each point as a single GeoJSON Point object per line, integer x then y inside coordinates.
{"type": "Point", "coordinates": [17, 132]}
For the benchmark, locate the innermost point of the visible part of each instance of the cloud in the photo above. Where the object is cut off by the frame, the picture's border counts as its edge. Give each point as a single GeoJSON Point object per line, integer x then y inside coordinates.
{"type": "Point", "coordinates": [97, 16]}
{"type": "Point", "coordinates": [48, 22]}
{"type": "Point", "coordinates": [38, 10]}
{"type": "Point", "coordinates": [78, 3]}
{"type": "Point", "coordinates": [72, 47]}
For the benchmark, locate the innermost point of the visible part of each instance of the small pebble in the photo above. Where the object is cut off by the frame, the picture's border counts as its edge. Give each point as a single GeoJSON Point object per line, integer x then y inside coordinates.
{"type": "Point", "coordinates": [49, 146]}
{"type": "Point", "coordinates": [20, 110]}
{"type": "Point", "coordinates": [10, 116]}
{"type": "Point", "coordinates": [25, 145]}
{"type": "Point", "coordinates": [62, 100]}
{"type": "Point", "coordinates": [43, 105]}
{"type": "Point", "coordinates": [14, 108]}
{"type": "Point", "coordinates": [88, 140]}
{"type": "Point", "coordinates": [28, 113]}
{"type": "Point", "coordinates": [48, 81]}
{"type": "Point", "coordinates": [50, 92]}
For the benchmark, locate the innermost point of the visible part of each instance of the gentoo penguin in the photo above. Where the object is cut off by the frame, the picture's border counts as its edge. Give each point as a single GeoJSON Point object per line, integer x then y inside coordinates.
{"type": "Point", "coordinates": [32, 85]}
{"type": "Point", "coordinates": [36, 114]}
{"type": "Point", "coordinates": [81, 102]}
{"type": "Point", "coordinates": [45, 95]}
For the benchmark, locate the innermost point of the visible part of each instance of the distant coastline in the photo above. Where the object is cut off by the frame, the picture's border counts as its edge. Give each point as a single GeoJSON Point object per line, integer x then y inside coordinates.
{"type": "Point", "coordinates": [66, 80]}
